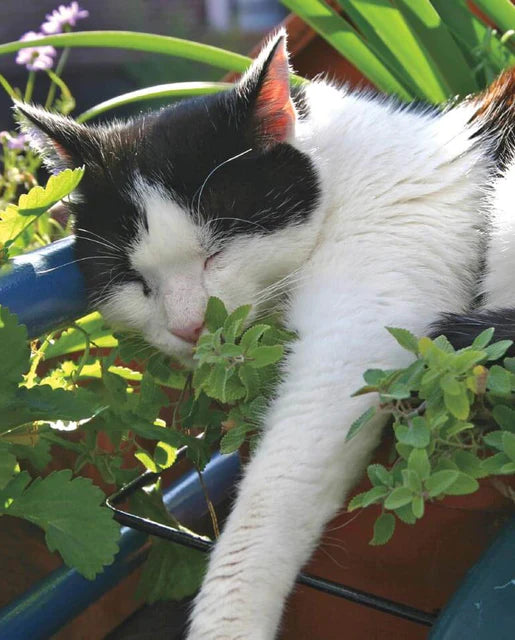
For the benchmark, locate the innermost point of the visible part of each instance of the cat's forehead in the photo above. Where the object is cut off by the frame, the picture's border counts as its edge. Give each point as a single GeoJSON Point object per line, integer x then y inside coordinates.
{"type": "Point", "coordinates": [167, 233]}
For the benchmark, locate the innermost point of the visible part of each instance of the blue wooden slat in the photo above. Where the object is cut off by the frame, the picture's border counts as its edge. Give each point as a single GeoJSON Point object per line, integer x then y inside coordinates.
{"type": "Point", "coordinates": [58, 598]}
{"type": "Point", "coordinates": [44, 287]}
{"type": "Point", "coordinates": [483, 608]}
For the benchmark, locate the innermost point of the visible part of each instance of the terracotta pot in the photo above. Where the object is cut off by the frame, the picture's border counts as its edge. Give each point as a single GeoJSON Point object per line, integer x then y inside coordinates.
{"type": "Point", "coordinates": [421, 566]}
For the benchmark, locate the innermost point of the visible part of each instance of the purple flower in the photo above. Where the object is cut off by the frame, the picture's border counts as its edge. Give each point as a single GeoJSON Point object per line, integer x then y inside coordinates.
{"type": "Point", "coordinates": [17, 142]}
{"type": "Point", "coordinates": [35, 58]}
{"type": "Point", "coordinates": [63, 17]}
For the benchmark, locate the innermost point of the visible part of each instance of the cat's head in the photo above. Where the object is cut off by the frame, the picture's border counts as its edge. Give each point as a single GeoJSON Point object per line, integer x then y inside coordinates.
{"type": "Point", "coordinates": [210, 196]}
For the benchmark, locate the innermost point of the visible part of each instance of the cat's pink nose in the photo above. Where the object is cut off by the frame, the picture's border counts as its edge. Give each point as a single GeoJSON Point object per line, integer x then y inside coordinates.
{"type": "Point", "coordinates": [190, 332]}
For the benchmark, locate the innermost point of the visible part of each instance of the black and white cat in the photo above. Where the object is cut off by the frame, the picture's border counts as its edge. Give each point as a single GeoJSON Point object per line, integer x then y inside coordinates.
{"type": "Point", "coordinates": [354, 212]}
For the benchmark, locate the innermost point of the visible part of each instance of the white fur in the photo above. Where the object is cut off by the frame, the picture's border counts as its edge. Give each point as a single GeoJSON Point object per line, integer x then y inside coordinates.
{"type": "Point", "coordinates": [398, 239]}
{"type": "Point", "coordinates": [498, 282]}
{"type": "Point", "coordinates": [394, 241]}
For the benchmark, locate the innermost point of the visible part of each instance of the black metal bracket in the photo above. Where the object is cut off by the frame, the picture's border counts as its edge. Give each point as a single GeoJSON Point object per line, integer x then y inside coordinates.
{"type": "Point", "coordinates": [201, 544]}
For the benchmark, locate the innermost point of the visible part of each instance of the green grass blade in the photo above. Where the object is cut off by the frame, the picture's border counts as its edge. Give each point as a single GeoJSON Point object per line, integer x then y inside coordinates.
{"type": "Point", "coordinates": [489, 53]}
{"type": "Point", "coordinates": [377, 45]}
{"type": "Point", "coordinates": [500, 12]}
{"type": "Point", "coordinates": [141, 42]}
{"type": "Point", "coordinates": [435, 38]}
{"type": "Point", "coordinates": [175, 90]}
{"type": "Point", "coordinates": [391, 28]}
{"type": "Point", "coordinates": [346, 40]}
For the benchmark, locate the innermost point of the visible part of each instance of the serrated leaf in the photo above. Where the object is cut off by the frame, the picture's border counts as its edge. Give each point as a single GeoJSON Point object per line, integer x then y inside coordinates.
{"type": "Point", "coordinates": [463, 485]}
{"type": "Point", "coordinates": [379, 475]}
{"type": "Point", "coordinates": [466, 359]}
{"type": "Point", "coordinates": [451, 385]}
{"type": "Point", "coordinates": [405, 338]}
{"type": "Point", "coordinates": [374, 495]}
{"type": "Point", "coordinates": [358, 424]}
{"type": "Point", "coordinates": [384, 527]}
{"type": "Point", "coordinates": [75, 524]}
{"type": "Point", "coordinates": [217, 382]}
{"type": "Point", "coordinates": [509, 363]}
{"type": "Point", "coordinates": [14, 350]}
{"type": "Point", "coordinates": [171, 572]}
{"type": "Point", "coordinates": [468, 463]}
{"type": "Point", "coordinates": [259, 357]}
{"type": "Point", "coordinates": [493, 464]}
{"type": "Point", "coordinates": [251, 336]}
{"type": "Point", "coordinates": [16, 218]}
{"type": "Point", "coordinates": [234, 438]}
{"type": "Point", "coordinates": [250, 379]}
{"type": "Point", "coordinates": [164, 455]}
{"type": "Point", "coordinates": [483, 339]}
{"type": "Point", "coordinates": [229, 350]}
{"type": "Point", "coordinates": [233, 325]}
{"type": "Point", "coordinates": [405, 513]}
{"type": "Point", "coordinates": [416, 435]}
{"type": "Point", "coordinates": [411, 480]}
{"type": "Point", "coordinates": [356, 502]}
{"type": "Point", "coordinates": [498, 349]}
{"type": "Point", "coordinates": [505, 417]}
{"type": "Point", "coordinates": [499, 380]}
{"type": "Point", "coordinates": [216, 313]}
{"type": "Point", "coordinates": [440, 481]}
{"type": "Point", "coordinates": [458, 404]}
{"type": "Point", "coordinates": [398, 498]}
{"type": "Point", "coordinates": [508, 441]}
{"type": "Point", "coordinates": [374, 376]}
{"type": "Point", "coordinates": [419, 462]}
{"type": "Point", "coordinates": [494, 439]}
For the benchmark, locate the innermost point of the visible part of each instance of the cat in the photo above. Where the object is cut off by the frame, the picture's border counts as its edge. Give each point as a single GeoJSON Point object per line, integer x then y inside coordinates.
{"type": "Point", "coordinates": [363, 213]}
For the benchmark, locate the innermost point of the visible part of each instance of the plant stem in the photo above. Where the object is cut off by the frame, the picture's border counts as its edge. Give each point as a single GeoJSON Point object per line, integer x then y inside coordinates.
{"type": "Point", "coordinates": [58, 71]}
{"type": "Point", "coordinates": [212, 512]}
{"type": "Point", "coordinates": [29, 89]}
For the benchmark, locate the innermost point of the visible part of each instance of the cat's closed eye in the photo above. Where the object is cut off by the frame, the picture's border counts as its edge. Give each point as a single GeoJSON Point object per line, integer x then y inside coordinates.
{"type": "Point", "coordinates": [147, 290]}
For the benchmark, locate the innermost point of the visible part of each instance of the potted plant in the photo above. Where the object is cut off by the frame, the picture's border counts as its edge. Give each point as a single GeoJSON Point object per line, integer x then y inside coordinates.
{"type": "Point", "coordinates": [124, 421]}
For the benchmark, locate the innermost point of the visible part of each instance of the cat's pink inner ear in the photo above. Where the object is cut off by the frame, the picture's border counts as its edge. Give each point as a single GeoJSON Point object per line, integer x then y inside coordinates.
{"type": "Point", "coordinates": [274, 110]}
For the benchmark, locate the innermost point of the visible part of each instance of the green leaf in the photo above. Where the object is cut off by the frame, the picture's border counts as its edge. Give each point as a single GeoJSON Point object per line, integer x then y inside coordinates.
{"type": "Point", "coordinates": [233, 325]}
{"type": "Point", "coordinates": [509, 363]}
{"type": "Point", "coordinates": [505, 417]}
{"type": "Point", "coordinates": [419, 462]}
{"type": "Point", "coordinates": [345, 39]}
{"type": "Point", "coordinates": [216, 313]}
{"type": "Point", "coordinates": [384, 527]}
{"type": "Point", "coordinates": [234, 438]}
{"type": "Point", "coordinates": [14, 350]}
{"type": "Point", "coordinates": [463, 485]}
{"type": "Point", "coordinates": [229, 350]}
{"type": "Point", "coordinates": [405, 513]}
{"type": "Point", "coordinates": [508, 441]}
{"type": "Point", "coordinates": [16, 218]}
{"type": "Point", "coordinates": [251, 336]}
{"type": "Point", "coordinates": [76, 525]}
{"type": "Point", "coordinates": [417, 505]}
{"type": "Point", "coordinates": [357, 425]}
{"type": "Point", "coordinates": [451, 385]}
{"type": "Point", "coordinates": [496, 350]}
{"type": "Point", "coordinates": [158, 92]}
{"type": "Point", "coordinates": [483, 339]}
{"type": "Point", "coordinates": [493, 464]}
{"type": "Point", "coordinates": [500, 12]}
{"type": "Point", "coordinates": [411, 480]}
{"type": "Point", "coordinates": [8, 464]}
{"type": "Point", "coordinates": [458, 405]}
{"type": "Point", "coordinates": [405, 338]}
{"type": "Point", "coordinates": [356, 502]}
{"type": "Point", "coordinates": [379, 475]}
{"type": "Point", "coordinates": [250, 379]}
{"type": "Point", "coordinates": [373, 377]}
{"type": "Point", "coordinates": [468, 463]}
{"type": "Point", "coordinates": [259, 357]}
{"type": "Point", "coordinates": [171, 572]}
{"type": "Point", "coordinates": [373, 495]}
{"type": "Point", "coordinates": [438, 483]}
{"type": "Point", "coordinates": [499, 380]}
{"type": "Point", "coordinates": [398, 498]}
{"type": "Point", "coordinates": [494, 440]}
{"type": "Point", "coordinates": [417, 435]}
{"type": "Point", "coordinates": [217, 382]}
{"type": "Point", "coordinates": [165, 455]}
{"type": "Point", "coordinates": [150, 42]}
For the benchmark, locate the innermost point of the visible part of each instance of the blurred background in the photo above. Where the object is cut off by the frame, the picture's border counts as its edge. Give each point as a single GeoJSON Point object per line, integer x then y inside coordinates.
{"type": "Point", "coordinates": [97, 74]}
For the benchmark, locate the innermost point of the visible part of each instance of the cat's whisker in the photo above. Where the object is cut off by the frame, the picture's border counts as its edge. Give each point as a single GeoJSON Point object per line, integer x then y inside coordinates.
{"type": "Point", "coordinates": [218, 166]}
{"type": "Point", "coordinates": [67, 264]}
{"type": "Point", "coordinates": [119, 254]}
{"type": "Point", "coordinates": [99, 237]}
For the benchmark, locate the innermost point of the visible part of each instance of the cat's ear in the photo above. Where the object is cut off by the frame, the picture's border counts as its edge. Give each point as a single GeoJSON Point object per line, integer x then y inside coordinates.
{"type": "Point", "coordinates": [266, 86]}
{"type": "Point", "coordinates": [58, 139]}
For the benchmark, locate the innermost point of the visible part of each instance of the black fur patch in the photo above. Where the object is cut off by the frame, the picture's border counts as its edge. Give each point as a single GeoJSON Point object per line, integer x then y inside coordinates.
{"type": "Point", "coordinates": [462, 329]}
{"type": "Point", "coordinates": [186, 149]}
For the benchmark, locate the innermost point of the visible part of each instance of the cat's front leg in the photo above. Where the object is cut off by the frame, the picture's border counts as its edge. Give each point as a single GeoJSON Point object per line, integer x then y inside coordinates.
{"type": "Point", "coordinates": [294, 484]}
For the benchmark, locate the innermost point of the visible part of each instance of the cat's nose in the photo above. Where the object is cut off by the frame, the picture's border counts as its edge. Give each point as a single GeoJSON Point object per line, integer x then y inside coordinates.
{"type": "Point", "coordinates": [190, 332]}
